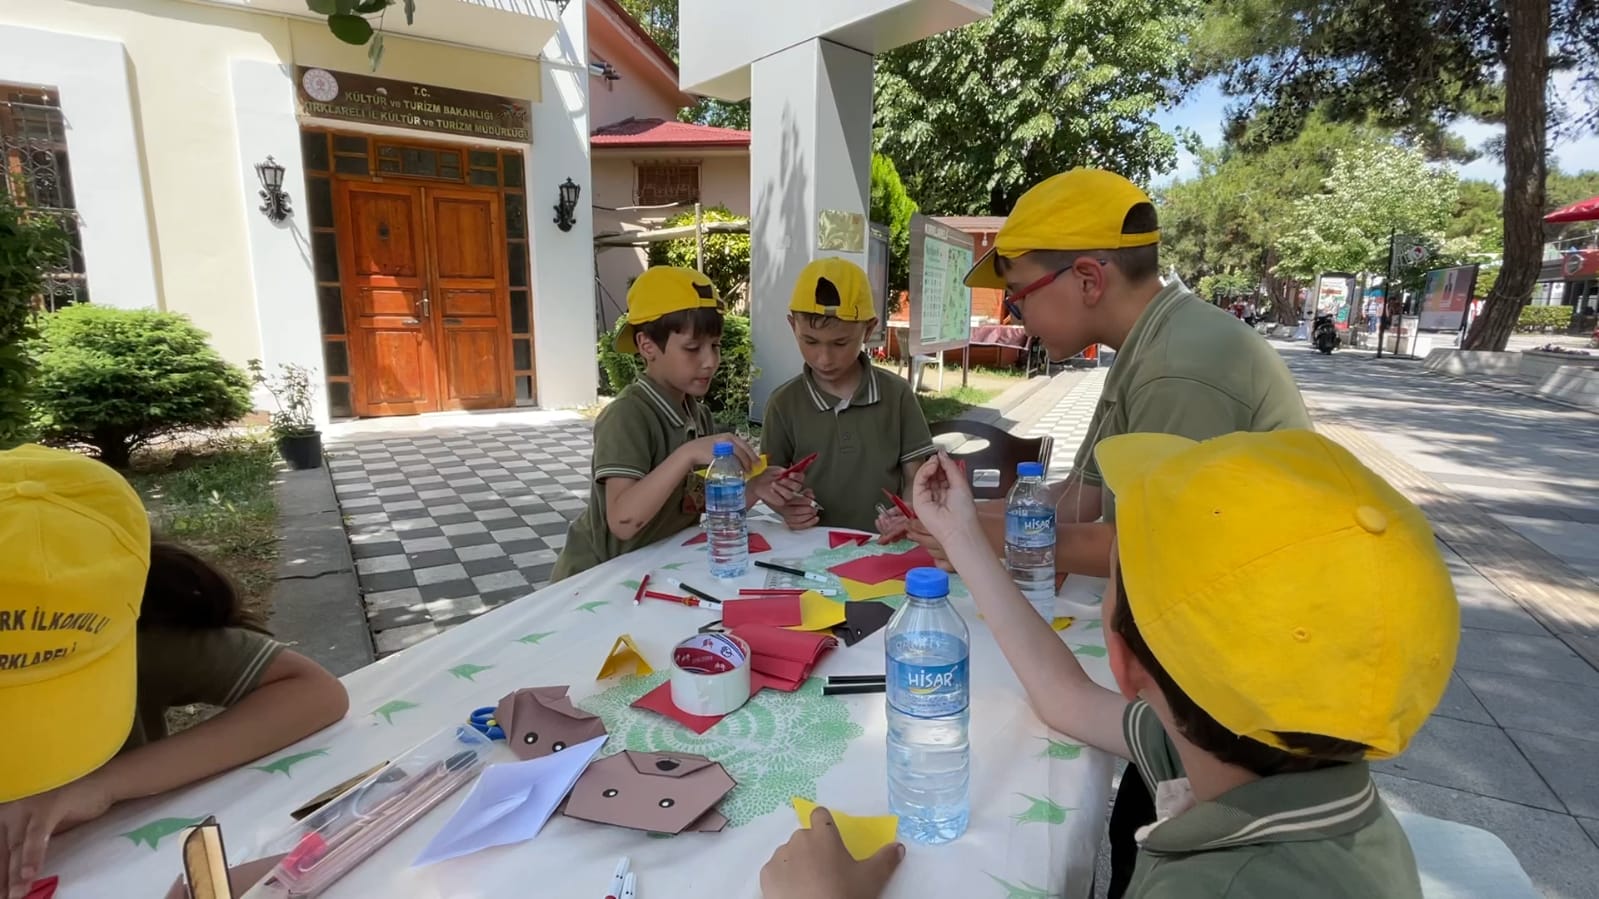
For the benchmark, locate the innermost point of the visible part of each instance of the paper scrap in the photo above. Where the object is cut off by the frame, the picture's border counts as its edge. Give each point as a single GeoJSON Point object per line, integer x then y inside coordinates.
{"type": "Point", "coordinates": [509, 803]}
{"type": "Point", "coordinates": [862, 619]}
{"type": "Point", "coordinates": [817, 612]}
{"type": "Point", "coordinates": [885, 567]}
{"type": "Point", "coordinates": [863, 836]}
{"type": "Point", "coordinates": [858, 590]}
{"type": "Point", "coordinates": [758, 543]}
{"type": "Point", "coordinates": [624, 654]}
{"type": "Point", "coordinates": [776, 611]}
{"type": "Point", "coordinates": [835, 539]}
{"type": "Point", "coordinates": [1062, 623]}
{"type": "Point", "coordinates": [659, 701]}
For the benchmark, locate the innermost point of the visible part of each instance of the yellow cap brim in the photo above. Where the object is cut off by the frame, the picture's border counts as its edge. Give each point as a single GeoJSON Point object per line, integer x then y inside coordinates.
{"type": "Point", "coordinates": [626, 342]}
{"type": "Point", "coordinates": [68, 725]}
{"type": "Point", "coordinates": [983, 273]}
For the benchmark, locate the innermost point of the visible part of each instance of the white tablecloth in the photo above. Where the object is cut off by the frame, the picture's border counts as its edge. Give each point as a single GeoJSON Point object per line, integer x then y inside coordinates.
{"type": "Point", "coordinates": [1037, 801]}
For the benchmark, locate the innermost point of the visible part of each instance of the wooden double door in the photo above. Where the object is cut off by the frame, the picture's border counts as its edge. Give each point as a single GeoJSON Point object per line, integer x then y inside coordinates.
{"type": "Point", "coordinates": [426, 296]}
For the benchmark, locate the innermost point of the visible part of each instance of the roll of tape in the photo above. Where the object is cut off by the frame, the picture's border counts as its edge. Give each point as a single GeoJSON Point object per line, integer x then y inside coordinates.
{"type": "Point", "coordinates": [710, 674]}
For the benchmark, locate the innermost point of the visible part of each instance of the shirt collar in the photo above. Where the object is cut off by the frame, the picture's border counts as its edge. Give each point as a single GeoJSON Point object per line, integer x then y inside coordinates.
{"type": "Point", "coordinates": [651, 390]}
{"type": "Point", "coordinates": [1150, 320]}
{"type": "Point", "coordinates": [1310, 805]}
{"type": "Point", "coordinates": [866, 392]}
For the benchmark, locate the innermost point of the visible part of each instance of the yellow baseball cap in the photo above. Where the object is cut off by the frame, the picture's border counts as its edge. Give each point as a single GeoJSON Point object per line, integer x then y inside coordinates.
{"type": "Point", "coordinates": [836, 287]}
{"type": "Point", "coordinates": [77, 552]}
{"type": "Point", "coordinates": [662, 290]}
{"type": "Point", "coordinates": [1082, 209]}
{"type": "Point", "coordinates": [1284, 586]}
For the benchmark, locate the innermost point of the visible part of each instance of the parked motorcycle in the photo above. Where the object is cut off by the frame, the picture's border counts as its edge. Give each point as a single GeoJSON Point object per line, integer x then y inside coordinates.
{"type": "Point", "coordinates": [1323, 335]}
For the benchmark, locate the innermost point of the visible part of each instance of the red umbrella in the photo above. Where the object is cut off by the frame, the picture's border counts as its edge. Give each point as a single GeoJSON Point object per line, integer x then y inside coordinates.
{"type": "Point", "coordinates": [1583, 211]}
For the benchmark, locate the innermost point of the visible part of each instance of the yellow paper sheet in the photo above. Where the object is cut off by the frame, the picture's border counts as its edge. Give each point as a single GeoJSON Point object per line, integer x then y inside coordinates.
{"type": "Point", "coordinates": [862, 836]}
{"type": "Point", "coordinates": [624, 654]}
{"type": "Point", "coordinates": [818, 612]}
{"type": "Point", "coordinates": [858, 590]}
{"type": "Point", "coordinates": [760, 466]}
{"type": "Point", "coordinates": [1062, 623]}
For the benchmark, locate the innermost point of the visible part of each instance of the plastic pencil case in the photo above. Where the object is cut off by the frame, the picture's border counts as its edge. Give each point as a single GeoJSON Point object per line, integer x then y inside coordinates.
{"type": "Point", "coordinates": [326, 845]}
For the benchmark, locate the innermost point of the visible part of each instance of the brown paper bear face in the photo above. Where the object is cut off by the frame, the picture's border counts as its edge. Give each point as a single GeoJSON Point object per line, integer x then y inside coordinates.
{"type": "Point", "coordinates": [660, 792]}
{"type": "Point", "coordinates": [541, 720]}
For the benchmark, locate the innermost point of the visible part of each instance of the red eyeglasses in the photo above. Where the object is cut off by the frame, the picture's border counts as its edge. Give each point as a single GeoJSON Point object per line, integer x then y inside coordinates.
{"type": "Point", "coordinates": [1013, 300]}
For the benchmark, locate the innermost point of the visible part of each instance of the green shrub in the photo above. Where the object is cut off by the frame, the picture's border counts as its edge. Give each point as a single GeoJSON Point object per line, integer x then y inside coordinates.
{"type": "Point", "coordinates": [1544, 318]}
{"type": "Point", "coordinates": [727, 256]}
{"type": "Point", "coordinates": [892, 206]}
{"type": "Point", "coordinates": [729, 398]}
{"type": "Point", "coordinates": [115, 379]}
{"type": "Point", "coordinates": [28, 248]}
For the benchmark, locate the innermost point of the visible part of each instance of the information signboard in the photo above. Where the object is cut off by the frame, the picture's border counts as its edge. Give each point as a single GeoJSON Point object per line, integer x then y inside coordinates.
{"type": "Point", "coordinates": [941, 303]}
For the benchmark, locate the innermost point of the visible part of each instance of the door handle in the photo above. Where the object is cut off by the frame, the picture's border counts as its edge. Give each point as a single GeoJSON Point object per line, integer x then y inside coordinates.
{"type": "Point", "coordinates": [427, 305]}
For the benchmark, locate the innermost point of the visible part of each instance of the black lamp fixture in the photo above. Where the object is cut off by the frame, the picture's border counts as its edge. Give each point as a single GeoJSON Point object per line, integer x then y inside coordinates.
{"type": "Point", "coordinates": [275, 203]}
{"type": "Point", "coordinates": [567, 206]}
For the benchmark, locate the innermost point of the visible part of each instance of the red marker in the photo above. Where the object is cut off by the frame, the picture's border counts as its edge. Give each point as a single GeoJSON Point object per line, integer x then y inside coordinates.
{"type": "Point", "coordinates": [904, 509]}
{"type": "Point", "coordinates": [642, 586]}
{"type": "Point", "coordinates": [798, 467]}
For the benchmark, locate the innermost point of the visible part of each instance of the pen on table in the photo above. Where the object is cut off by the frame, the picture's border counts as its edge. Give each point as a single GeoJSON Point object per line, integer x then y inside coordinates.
{"type": "Point", "coordinates": [680, 600]}
{"type": "Point", "coordinates": [851, 689]}
{"type": "Point", "coordinates": [700, 593]}
{"type": "Point", "coordinates": [840, 679]}
{"type": "Point", "coordinates": [643, 585]}
{"type": "Point", "coordinates": [629, 886]}
{"type": "Point", "coordinates": [796, 572]}
{"type": "Point", "coordinates": [619, 880]}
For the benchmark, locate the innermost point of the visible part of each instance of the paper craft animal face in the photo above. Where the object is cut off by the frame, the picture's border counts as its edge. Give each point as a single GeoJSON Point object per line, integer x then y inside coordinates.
{"type": "Point", "coordinates": [540, 720]}
{"type": "Point", "coordinates": [659, 792]}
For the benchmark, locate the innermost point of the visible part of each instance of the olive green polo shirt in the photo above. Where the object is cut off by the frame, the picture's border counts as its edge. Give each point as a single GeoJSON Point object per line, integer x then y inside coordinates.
{"type": "Point", "coordinates": [1313, 835]}
{"type": "Point", "coordinates": [862, 443]}
{"type": "Point", "coordinates": [216, 666]}
{"type": "Point", "coordinates": [1188, 368]}
{"type": "Point", "coordinates": [632, 435]}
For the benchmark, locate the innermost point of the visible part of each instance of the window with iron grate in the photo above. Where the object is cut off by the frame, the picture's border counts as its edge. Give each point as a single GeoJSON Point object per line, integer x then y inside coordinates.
{"type": "Point", "coordinates": [660, 184]}
{"type": "Point", "coordinates": [33, 149]}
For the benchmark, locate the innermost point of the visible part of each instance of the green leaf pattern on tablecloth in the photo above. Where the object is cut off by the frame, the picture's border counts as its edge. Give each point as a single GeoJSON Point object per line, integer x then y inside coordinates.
{"type": "Point", "coordinates": [1041, 811]}
{"type": "Point", "coordinates": [1023, 890]}
{"type": "Point", "coordinates": [1060, 749]}
{"type": "Point", "coordinates": [1090, 624]}
{"type": "Point", "coordinates": [822, 559]}
{"type": "Point", "coordinates": [673, 566]}
{"type": "Point", "coordinates": [534, 638]}
{"type": "Point", "coordinates": [388, 710]}
{"type": "Point", "coordinates": [1089, 649]}
{"type": "Point", "coordinates": [159, 829]}
{"type": "Point", "coordinates": [777, 746]}
{"type": "Point", "coordinates": [631, 585]}
{"type": "Point", "coordinates": [282, 765]}
{"type": "Point", "coordinates": [469, 671]}
{"type": "Point", "coordinates": [589, 607]}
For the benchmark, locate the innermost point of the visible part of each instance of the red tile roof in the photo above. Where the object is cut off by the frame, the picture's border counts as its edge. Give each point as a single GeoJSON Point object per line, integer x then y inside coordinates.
{"type": "Point", "coordinates": [633, 132]}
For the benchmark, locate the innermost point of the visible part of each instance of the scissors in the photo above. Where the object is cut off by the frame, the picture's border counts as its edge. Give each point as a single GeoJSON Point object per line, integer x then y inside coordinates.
{"type": "Point", "coordinates": [483, 721]}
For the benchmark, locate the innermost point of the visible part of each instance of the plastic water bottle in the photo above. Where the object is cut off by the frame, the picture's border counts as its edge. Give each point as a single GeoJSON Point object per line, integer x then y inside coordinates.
{"type": "Point", "coordinates": [726, 532]}
{"type": "Point", "coordinates": [929, 756]}
{"type": "Point", "coordinates": [1030, 538]}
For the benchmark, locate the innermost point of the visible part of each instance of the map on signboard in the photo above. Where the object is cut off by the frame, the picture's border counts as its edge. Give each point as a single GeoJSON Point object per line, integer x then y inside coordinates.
{"type": "Point", "coordinates": [941, 303]}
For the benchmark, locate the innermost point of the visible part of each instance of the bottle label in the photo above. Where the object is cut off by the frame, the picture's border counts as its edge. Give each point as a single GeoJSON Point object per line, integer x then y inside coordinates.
{"type": "Point", "coordinates": [724, 497]}
{"type": "Point", "coordinates": [928, 691]}
{"type": "Point", "coordinates": [1030, 529]}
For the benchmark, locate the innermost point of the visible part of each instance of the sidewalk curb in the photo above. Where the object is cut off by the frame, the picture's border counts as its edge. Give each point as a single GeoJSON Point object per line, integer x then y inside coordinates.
{"type": "Point", "coordinates": [316, 602]}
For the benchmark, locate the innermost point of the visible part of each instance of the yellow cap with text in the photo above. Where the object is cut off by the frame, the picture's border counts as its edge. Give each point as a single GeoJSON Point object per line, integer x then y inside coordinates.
{"type": "Point", "coordinates": [77, 551]}
{"type": "Point", "coordinates": [662, 290]}
{"type": "Point", "coordinates": [1082, 209]}
{"type": "Point", "coordinates": [833, 287]}
{"type": "Point", "coordinates": [1285, 587]}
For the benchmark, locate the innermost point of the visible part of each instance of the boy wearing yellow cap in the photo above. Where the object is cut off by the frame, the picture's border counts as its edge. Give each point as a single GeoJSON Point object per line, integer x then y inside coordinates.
{"type": "Point", "coordinates": [649, 441]}
{"type": "Point", "coordinates": [863, 424]}
{"type": "Point", "coordinates": [100, 633]}
{"type": "Point", "coordinates": [1251, 688]}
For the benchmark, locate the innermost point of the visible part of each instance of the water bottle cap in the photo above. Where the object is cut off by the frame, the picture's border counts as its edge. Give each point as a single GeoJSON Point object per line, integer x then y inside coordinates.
{"type": "Point", "coordinates": [928, 583]}
{"type": "Point", "coordinates": [722, 448]}
{"type": "Point", "coordinates": [1030, 470]}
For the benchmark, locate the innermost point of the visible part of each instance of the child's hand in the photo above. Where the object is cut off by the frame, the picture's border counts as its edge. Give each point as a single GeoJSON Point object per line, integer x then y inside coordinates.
{"type": "Point", "coordinates": [774, 490]}
{"type": "Point", "coordinates": [943, 500]}
{"type": "Point", "coordinates": [703, 451]}
{"type": "Point", "coordinates": [892, 526]}
{"type": "Point", "coordinates": [26, 826]}
{"type": "Point", "coordinates": [800, 512]}
{"type": "Point", "coordinates": [917, 533]}
{"type": "Point", "coordinates": [814, 864]}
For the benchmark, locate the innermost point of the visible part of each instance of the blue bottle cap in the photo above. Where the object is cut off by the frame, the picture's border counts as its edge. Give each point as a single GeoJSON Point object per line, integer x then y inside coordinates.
{"type": "Point", "coordinates": [722, 448]}
{"type": "Point", "coordinates": [928, 583]}
{"type": "Point", "coordinates": [1030, 470]}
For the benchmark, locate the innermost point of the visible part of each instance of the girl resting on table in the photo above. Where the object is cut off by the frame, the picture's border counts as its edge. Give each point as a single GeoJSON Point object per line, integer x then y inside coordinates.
{"type": "Point", "coordinates": [94, 718]}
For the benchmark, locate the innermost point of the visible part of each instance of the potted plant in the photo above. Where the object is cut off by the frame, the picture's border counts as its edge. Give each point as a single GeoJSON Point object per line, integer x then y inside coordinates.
{"type": "Point", "coordinates": [299, 441]}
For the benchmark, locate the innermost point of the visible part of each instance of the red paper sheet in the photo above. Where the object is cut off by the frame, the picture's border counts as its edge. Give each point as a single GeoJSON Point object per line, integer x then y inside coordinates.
{"type": "Point", "coordinates": [835, 539]}
{"type": "Point", "coordinates": [659, 701]}
{"type": "Point", "coordinates": [777, 611]}
{"type": "Point", "coordinates": [758, 543]}
{"type": "Point", "coordinates": [888, 567]}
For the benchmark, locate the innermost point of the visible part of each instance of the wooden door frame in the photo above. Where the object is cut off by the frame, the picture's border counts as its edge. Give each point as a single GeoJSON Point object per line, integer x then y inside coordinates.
{"type": "Point", "coordinates": [502, 281]}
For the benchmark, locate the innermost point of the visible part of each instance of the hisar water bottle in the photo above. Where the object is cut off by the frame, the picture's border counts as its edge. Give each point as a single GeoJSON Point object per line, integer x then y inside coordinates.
{"type": "Point", "coordinates": [929, 757]}
{"type": "Point", "coordinates": [726, 532]}
{"type": "Point", "coordinates": [1030, 538]}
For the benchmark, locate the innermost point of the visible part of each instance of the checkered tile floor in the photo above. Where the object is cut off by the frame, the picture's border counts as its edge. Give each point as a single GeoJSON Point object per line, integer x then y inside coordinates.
{"type": "Point", "coordinates": [444, 527]}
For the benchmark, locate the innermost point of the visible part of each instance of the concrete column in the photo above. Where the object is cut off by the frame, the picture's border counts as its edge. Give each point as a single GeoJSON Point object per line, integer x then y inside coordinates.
{"type": "Point", "coordinates": [563, 261]}
{"type": "Point", "coordinates": [810, 151]}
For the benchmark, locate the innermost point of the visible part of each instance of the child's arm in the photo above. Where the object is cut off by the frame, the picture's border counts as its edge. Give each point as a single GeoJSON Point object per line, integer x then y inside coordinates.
{"type": "Point", "coordinates": [631, 503]}
{"type": "Point", "coordinates": [1058, 689]}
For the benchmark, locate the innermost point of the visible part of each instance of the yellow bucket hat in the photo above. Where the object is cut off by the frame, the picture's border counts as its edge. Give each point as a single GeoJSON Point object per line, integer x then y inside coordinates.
{"type": "Point", "coordinates": [835, 287]}
{"type": "Point", "coordinates": [1283, 585]}
{"type": "Point", "coordinates": [662, 290]}
{"type": "Point", "coordinates": [77, 552]}
{"type": "Point", "coordinates": [1082, 209]}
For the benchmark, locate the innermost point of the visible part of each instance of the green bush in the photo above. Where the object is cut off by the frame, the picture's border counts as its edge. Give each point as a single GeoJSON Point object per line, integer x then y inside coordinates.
{"type": "Point", "coordinates": [729, 398]}
{"type": "Point", "coordinates": [892, 206]}
{"type": "Point", "coordinates": [115, 379]}
{"type": "Point", "coordinates": [1544, 318]}
{"type": "Point", "coordinates": [727, 256]}
{"type": "Point", "coordinates": [28, 248]}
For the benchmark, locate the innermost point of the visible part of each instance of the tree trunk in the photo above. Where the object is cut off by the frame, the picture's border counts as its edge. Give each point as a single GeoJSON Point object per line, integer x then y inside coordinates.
{"type": "Point", "coordinates": [1526, 139]}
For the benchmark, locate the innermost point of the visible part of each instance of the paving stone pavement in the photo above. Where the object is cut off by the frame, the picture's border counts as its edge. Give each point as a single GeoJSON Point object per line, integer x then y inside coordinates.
{"type": "Point", "coordinates": [447, 525]}
{"type": "Point", "coordinates": [1068, 421]}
